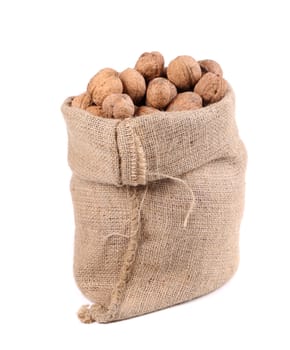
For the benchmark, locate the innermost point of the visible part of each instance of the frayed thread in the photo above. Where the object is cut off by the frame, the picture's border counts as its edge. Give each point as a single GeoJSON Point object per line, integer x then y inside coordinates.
{"type": "Point", "coordinates": [189, 211]}
{"type": "Point", "coordinates": [90, 313]}
{"type": "Point", "coordinates": [192, 203]}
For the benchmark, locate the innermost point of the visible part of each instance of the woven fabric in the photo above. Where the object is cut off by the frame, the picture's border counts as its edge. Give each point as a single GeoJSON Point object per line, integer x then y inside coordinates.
{"type": "Point", "coordinates": [134, 182]}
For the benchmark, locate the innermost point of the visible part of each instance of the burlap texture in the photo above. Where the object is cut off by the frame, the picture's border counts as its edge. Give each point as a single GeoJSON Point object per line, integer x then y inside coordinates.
{"type": "Point", "coordinates": [133, 184]}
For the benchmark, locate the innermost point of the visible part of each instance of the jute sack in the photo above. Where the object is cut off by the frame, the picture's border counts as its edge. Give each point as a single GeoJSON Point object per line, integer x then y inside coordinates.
{"type": "Point", "coordinates": [158, 202]}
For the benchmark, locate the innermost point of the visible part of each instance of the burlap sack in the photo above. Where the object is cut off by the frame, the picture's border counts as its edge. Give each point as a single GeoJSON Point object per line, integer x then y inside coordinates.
{"type": "Point", "coordinates": [158, 202]}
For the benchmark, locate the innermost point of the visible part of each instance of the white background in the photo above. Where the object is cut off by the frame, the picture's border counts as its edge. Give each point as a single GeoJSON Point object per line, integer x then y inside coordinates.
{"type": "Point", "coordinates": [49, 51]}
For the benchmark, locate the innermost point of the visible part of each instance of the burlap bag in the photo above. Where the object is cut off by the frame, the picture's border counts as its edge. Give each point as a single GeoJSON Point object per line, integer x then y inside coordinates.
{"type": "Point", "coordinates": [158, 202]}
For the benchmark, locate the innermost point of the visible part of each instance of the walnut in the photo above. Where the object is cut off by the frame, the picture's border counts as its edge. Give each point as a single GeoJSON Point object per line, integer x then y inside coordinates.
{"type": "Point", "coordinates": [118, 106]}
{"type": "Point", "coordinates": [142, 110]}
{"type": "Point", "coordinates": [134, 84]}
{"type": "Point", "coordinates": [82, 101]}
{"type": "Point", "coordinates": [184, 72]}
{"type": "Point", "coordinates": [210, 66]}
{"type": "Point", "coordinates": [150, 65]}
{"type": "Point", "coordinates": [104, 83]}
{"type": "Point", "coordinates": [185, 101]}
{"type": "Point", "coordinates": [95, 110]}
{"type": "Point", "coordinates": [211, 87]}
{"type": "Point", "coordinates": [160, 92]}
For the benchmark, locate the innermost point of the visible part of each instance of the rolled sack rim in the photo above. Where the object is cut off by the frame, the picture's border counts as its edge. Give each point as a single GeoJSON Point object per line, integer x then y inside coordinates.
{"type": "Point", "coordinates": [169, 143]}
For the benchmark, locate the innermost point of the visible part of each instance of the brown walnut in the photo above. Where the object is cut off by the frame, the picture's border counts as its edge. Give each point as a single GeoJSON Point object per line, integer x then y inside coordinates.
{"type": "Point", "coordinates": [211, 87]}
{"type": "Point", "coordinates": [210, 66]}
{"type": "Point", "coordinates": [185, 101]}
{"type": "Point", "coordinates": [143, 110]}
{"type": "Point", "coordinates": [118, 106]}
{"type": "Point", "coordinates": [184, 72]}
{"type": "Point", "coordinates": [160, 92]}
{"type": "Point", "coordinates": [82, 101]}
{"type": "Point", "coordinates": [95, 110]}
{"type": "Point", "coordinates": [150, 65]}
{"type": "Point", "coordinates": [134, 84]}
{"type": "Point", "coordinates": [104, 83]}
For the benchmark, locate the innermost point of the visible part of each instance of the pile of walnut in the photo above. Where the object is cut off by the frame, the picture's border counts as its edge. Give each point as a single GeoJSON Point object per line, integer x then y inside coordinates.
{"type": "Point", "coordinates": [186, 84]}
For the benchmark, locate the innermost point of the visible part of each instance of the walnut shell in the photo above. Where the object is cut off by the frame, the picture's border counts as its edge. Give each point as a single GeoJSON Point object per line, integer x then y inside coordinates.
{"type": "Point", "coordinates": [143, 110]}
{"type": "Point", "coordinates": [134, 84]}
{"type": "Point", "coordinates": [160, 92]}
{"type": "Point", "coordinates": [211, 87]}
{"type": "Point", "coordinates": [184, 72]}
{"type": "Point", "coordinates": [95, 110]}
{"type": "Point", "coordinates": [82, 101]}
{"type": "Point", "coordinates": [150, 65]}
{"type": "Point", "coordinates": [104, 83]}
{"type": "Point", "coordinates": [185, 101]}
{"type": "Point", "coordinates": [118, 106]}
{"type": "Point", "coordinates": [210, 66]}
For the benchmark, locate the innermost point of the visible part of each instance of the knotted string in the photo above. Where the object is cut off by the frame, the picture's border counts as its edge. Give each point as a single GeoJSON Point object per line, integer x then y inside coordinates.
{"type": "Point", "coordinates": [189, 211]}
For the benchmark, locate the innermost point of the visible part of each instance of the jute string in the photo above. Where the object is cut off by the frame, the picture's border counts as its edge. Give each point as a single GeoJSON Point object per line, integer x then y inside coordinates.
{"type": "Point", "coordinates": [189, 211]}
{"type": "Point", "coordinates": [96, 312]}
